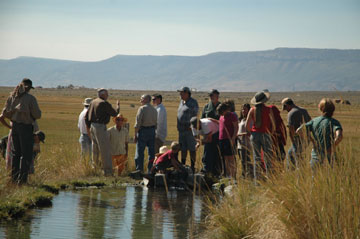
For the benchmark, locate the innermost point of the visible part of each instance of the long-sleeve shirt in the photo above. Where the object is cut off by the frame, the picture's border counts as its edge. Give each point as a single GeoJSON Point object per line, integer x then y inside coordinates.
{"type": "Point", "coordinates": [24, 109]}
{"type": "Point", "coordinates": [100, 112]}
{"type": "Point", "coordinates": [81, 122]}
{"type": "Point", "coordinates": [186, 111]}
{"type": "Point", "coordinates": [161, 129]}
{"type": "Point", "coordinates": [146, 116]}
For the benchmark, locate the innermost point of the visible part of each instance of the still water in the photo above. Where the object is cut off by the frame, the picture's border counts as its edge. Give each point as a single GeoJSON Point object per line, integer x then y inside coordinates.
{"type": "Point", "coordinates": [131, 212]}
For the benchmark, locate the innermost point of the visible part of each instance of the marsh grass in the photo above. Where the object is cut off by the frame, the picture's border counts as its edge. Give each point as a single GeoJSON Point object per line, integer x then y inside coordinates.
{"type": "Point", "coordinates": [301, 203]}
{"type": "Point", "coordinates": [290, 205]}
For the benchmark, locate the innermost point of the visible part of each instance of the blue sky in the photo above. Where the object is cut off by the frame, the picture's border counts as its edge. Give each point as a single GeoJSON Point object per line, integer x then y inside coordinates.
{"type": "Point", "coordinates": [93, 30]}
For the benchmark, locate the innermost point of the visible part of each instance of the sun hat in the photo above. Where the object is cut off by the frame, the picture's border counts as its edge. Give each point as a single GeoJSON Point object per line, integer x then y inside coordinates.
{"type": "Point", "coordinates": [162, 150]}
{"type": "Point", "coordinates": [87, 101]}
{"type": "Point", "coordinates": [120, 116]}
{"type": "Point", "coordinates": [260, 97]}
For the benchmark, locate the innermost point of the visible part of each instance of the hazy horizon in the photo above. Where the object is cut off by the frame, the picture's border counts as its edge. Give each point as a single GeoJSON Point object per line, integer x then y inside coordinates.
{"type": "Point", "coordinates": [95, 30]}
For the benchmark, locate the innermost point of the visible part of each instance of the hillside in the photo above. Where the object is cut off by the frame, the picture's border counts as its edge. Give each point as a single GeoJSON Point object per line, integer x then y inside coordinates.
{"type": "Point", "coordinates": [282, 69]}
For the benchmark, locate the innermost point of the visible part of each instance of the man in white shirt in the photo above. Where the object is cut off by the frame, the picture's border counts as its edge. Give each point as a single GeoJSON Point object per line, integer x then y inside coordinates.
{"type": "Point", "coordinates": [161, 129]}
{"type": "Point", "coordinates": [85, 140]}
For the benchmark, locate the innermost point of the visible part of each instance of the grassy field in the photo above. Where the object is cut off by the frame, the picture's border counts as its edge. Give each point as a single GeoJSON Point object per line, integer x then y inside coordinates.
{"type": "Point", "coordinates": [284, 207]}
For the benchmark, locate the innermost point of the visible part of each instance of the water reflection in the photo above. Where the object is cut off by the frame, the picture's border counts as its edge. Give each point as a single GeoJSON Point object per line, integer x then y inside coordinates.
{"type": "Point", "coordinates": [132, 212]}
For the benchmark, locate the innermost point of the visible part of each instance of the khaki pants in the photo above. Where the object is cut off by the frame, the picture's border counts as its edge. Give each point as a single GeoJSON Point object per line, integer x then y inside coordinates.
{"type": "Point", "coordinates": [118, 162]}
{"type": "Point", "coordinates": [101, 144]}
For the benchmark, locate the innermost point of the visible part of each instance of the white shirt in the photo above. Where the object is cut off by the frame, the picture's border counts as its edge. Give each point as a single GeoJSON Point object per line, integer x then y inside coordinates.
{"type": "Point", "coordinates": [81, 122]}
{"type": "Point", "coordinates": [207, 126]}
{"type": "Point", "coordinates": [161, 129]}
{"type": "Point", "coordinates": [244, 141]}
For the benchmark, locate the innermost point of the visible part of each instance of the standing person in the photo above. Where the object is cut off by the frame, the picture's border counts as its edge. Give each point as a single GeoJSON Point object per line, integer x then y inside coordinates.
{"type": "Point", "coordinates": [161, 129]}
{"type": "Point", "coordinates": [119, 141]}
{"type": "Point", "coordinates": [244, 144]}
{"type": "Point", "coordinates": [209, 110]}
{"type": "Point", "coordinates": [96, 119]}
{"type": "Point", "coordinates": [39, 136]}
{"type": "Point", "coordinates": [279, 135]}
{"type": "Point", "coordinates": [211, 158]}
{"type": "Point", "coordinates": [296, 117]}
{"type": "Point", "coordinates": [84, 140]}
{"type": "Point", "coordinates": [22, 109]}
{"type": "Point", "coordinates": [145, 126]}
{"type": "Point", "coordinates": [261, 131]}
{"type": "Point", "coordinates": [228, 128]}
{"type": "Point", "coordinates": [188, 108]}
{"type": "Point", "coordinates": [325, 132]}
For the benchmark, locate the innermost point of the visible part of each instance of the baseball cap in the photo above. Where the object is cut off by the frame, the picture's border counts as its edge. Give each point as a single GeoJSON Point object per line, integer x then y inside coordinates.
{"type": "Point", "coordinates": [185, 89]}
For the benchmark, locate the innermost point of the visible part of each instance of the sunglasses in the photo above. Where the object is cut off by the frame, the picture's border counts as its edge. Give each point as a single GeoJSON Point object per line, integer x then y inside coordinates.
{"type": "Point", "coordinates": [119, 120]}
{"type": "Point", "coordinates": [153, 99]}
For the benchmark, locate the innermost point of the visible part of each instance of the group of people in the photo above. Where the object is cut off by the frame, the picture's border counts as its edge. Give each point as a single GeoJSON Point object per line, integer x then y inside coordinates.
{"type": "Point", "coordinates": [259, 130]}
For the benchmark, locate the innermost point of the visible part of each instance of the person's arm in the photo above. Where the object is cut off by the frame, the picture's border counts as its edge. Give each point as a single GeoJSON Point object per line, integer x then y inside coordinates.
{"type": "Point", "coordinates": [3, 121]}
{"type": "Point", "coordinates": [236, 129]}
{"type": "Point", "coordinates": [35, 110]}
{"type": "Point", "coordinates": [88, 123]}
{"type": "Point", "coordinates": [138, 121]}
{"type": "Point", "coordinates": [249, 119]}
{"type": "Point", "coordinates": [292, 132]}
{"type": "Point", "coordinates": [127, 148]}
{"type": "Point", "coordinates": [110, 110]}
{"type": "Point", "coordinates": [338, 136]}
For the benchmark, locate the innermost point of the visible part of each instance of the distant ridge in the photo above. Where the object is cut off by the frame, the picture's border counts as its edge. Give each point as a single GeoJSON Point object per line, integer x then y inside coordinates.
{"type": "Point", "coordinates": [281, 69]}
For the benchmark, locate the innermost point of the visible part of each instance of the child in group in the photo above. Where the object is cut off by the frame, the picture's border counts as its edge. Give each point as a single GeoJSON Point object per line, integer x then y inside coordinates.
{"type": "Point", "coordinates": [119, 141]}
{"type": "Point", "coordinates": [244, 144]}
{"type": "Point", "coordinates": [168, 159]}
{"type": "Point", "coordinates": [228, 128]}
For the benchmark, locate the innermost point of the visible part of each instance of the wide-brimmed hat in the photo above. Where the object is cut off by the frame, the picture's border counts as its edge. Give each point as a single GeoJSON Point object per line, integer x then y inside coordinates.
{"type": "Point", "coordinates": [87, 101]}
{"type": "Point", "coordinates": [40, 135]}
{"type": "Point", "coordinates": [120, 116]}
{"type": "Point", "coordinates": [162, 150]}
{"type": "Point", "coordinates": [260, 97]}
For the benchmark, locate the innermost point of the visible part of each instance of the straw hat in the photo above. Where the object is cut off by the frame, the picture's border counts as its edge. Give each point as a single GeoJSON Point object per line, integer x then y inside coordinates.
{"type": "Point", "coordinates": [87, 101]}
{"type": "Point", "coordinates": [162, 150]}
{"type": "Point", "coordinates": [120, 116]}
{"type": "Point", "coordinates": [260, 97]}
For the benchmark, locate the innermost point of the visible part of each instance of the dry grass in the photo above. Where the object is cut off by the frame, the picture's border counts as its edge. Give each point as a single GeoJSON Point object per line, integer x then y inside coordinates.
{"type": "Point", "coordinates": [292, 205]}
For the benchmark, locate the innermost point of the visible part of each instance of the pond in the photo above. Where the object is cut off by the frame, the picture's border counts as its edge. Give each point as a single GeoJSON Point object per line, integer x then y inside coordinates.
{"type": "Point", "coordinates": [130, 212]}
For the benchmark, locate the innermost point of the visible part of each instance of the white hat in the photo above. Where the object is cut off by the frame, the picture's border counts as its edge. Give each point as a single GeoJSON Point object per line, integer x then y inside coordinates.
{"type": "Point", "coordinates": [163, 149]}
{"type": "Point", "coordinates": [87, 101]}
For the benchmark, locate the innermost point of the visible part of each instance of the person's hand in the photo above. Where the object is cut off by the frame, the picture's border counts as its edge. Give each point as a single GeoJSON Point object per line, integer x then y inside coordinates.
{"type": "Point", "coordinates": [197, 145]}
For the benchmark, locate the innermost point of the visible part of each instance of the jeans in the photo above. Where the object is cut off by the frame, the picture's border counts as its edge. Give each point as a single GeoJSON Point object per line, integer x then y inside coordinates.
{"type": "Point", "coordinates": [294, 154]}
{"type": "Point", "coordinates": [23, 140]}
{"type": "Point", "coordinates": [85, 143]}
{"type": "Point", "coordinates": [261, 141]}
{"type": "Point", "coordinates": [145, 137]}
{"type": "Point", "coordinates": [211, 158]}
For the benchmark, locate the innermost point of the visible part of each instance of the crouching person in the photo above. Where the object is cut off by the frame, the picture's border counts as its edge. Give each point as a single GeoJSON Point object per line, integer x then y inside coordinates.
{"type": "Point", "coordinates": [168, 160]}
{"type": "Point", "coordinates": [119, 141]}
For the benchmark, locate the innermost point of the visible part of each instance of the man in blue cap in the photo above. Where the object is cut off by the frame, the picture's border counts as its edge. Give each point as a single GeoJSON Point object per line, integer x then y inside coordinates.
{"type": "Point", "coordinates": [188, 108]}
